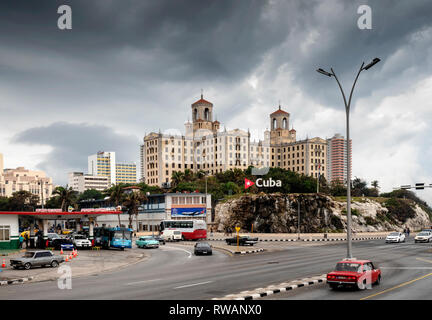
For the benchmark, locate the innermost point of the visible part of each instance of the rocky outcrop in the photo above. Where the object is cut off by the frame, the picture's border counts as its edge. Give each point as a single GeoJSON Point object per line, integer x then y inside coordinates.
{"type": "Point", "coordinates": [278, 213]}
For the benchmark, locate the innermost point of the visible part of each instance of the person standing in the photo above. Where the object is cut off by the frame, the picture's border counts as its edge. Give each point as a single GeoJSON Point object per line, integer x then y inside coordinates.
{"type": "Point", "coordinates": [408, 232]}
{"type": "Point", "coordinates": [21, 240]}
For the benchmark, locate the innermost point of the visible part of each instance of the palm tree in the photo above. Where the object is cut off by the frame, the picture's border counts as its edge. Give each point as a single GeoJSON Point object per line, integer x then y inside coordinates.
{"type": "Point", "coordinates": [177, 177]}
{"type": "Point", "coordinates": [66, 196]}
{"type": "Point", "coordinates": [132, 201]}
{"type": "Point", "coordinates": [375, 184]}
{"type": "Point", "coordinates": [188, 175]}
{"type": "Point", "coordinates": [115, 194]}
{"type": "Point", "coordinates": [200, 174]}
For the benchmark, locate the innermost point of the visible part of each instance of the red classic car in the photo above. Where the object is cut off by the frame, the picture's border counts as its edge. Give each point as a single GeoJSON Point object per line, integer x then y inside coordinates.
{"type": "Point", "coordinates": [355, 273]}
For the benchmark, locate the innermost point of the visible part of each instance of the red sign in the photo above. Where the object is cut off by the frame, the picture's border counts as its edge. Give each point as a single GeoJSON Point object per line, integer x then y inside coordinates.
{"type": "Point", "coordinates": [248, 183]}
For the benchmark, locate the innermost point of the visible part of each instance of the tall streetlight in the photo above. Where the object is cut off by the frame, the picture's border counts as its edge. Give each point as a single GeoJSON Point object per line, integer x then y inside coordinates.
{"type": "Point", "coordinates": [347, 109]}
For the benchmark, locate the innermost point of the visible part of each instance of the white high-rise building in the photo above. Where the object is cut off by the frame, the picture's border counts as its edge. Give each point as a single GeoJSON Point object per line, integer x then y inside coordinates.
{"type": "Point", "coordinates": [103, 164]}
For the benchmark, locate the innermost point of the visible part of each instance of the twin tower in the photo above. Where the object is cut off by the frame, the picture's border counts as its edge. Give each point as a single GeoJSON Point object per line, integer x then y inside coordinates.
{"type": "Point", "coordinates": [202, 118]}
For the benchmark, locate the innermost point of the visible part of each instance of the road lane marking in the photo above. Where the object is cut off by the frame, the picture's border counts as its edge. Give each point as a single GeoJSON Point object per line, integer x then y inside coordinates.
{"type": "Point", "coordinates": [425, 260]}
{"type": "Point", "coordinates": [193, 284]}
{"type": "Point", "coordinates": [144, 281]}
{"type": "Point", "coordinates": [407, 268]}
{"type": "Point", "coordinates": [188, 252]}
{"type": "Point", "coordinates": [398, 286]}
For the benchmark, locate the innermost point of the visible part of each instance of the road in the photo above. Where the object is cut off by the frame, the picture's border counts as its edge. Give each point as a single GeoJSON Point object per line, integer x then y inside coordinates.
{"type": "Point", "coordinates": [406, 274]}
{"type": "Point", "coordinates": [173, 272]}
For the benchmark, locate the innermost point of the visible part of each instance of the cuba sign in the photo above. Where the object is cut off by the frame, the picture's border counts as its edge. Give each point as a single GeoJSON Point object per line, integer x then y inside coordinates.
{"type": "Point", "coordinates": [260, 182]}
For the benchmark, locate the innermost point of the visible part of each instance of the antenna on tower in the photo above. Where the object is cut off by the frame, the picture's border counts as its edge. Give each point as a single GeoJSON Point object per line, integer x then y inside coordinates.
{"type": "Point", "coordinates": [201, 93]}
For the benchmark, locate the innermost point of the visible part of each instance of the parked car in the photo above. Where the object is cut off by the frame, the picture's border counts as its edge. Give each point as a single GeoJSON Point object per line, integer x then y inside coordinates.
{"type": "Point", "coordinates": [243, 240]}
{"type": "Point", "coordinates": [37, 258]}
{"type": "Point", "coordinates": [203, 248]}
{"type": "Point", "coordinates": [171, 235]}
{"type": "Point", "coordinates": [159, 238]}
{"type": "Point", "coordinates": [395, 237]}
{"type": "Point", "coordinates": [354, 273]}
{"type": "Point", "coordinates": [80, 241]}
{"type": "Point", "coordinates": [147, 242]}
{"type": "Point", "coordinates": [423, 236]}
{"type": "Point", "coordinates": [51, 238]}
{"type": "Point", "coordinates": [63, 243]}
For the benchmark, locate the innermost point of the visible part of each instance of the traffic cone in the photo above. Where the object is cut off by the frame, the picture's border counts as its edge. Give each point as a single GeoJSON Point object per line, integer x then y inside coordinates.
{"type": "Point", "coordinates": [61, 250]}
{"type": "Point", "coordinates": [4, 263]}
{"type": "Point", "coordinates": [66, 259]}
{"type": "Point", "coordinates": [76, 252]}
{"type": "Point", "coordinates": [70, 256]}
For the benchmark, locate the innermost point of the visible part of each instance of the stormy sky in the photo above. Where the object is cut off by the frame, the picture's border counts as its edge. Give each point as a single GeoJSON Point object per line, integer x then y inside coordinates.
{"type": "Point", "coordinates": [134, 66]}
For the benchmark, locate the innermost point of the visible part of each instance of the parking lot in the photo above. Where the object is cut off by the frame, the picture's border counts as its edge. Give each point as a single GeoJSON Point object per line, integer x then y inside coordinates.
{"type": "Point", "coordinates": [88, 262]}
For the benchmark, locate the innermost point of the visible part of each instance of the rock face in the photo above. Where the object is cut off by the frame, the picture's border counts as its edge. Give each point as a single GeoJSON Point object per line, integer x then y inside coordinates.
{"type": "Point", "coordinates": [278, 213]}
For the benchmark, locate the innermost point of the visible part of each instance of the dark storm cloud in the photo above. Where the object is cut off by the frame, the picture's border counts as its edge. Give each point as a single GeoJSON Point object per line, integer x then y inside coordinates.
{"type": "Point", "coordinates": [166, 38]}
{"type": "Point", "coordinates": [72, 143]}
{"type": "Point", "coordinates": [136, 65]}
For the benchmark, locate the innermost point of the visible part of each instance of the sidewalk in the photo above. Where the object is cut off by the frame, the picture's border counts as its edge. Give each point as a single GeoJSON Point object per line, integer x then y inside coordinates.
{"type": "Point", "coordinates": [88, 262]}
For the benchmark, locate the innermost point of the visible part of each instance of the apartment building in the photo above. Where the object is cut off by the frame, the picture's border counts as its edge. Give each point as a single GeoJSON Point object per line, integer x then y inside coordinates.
{"type": "Point", "coordinates": [21, 179]}
{"type": "Point", "coordinates": [337, 158]}
{"type": "Point", "coordinates": [81, 182]}
{"type": "Point", "coordinates": [104, 164]}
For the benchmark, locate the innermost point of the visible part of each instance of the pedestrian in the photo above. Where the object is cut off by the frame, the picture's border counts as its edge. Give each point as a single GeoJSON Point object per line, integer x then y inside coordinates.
{"type": "Point", "coordinates": [408, 232]}
{"type": "Point", "coordinates": [26, 237]}
{"type": "Point", "coordinates": [21, 240]}
{"type": "Point", "coordinates": [405, 230]}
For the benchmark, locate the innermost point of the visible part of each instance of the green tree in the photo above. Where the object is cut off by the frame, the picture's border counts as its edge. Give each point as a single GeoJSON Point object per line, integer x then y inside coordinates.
{"type": "Point", "coordinates": [132, 201]}
{"type": "Point", "coordinates": [23, 201]}
{"type": "Point", "coordinates": [91, 194]}
{"type": "Point", "coordinates": [116, 195]}
{"type": "Point", "coordinates": [67, 197]}
{"type": "Point", "coordinates": [176, 178]}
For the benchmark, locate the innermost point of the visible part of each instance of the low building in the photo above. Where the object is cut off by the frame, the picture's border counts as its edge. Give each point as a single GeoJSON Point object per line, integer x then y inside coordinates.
{"type": "Point", "coordinates": [81, 182]}
{"type": "Point", "coordinates": [159, 207]}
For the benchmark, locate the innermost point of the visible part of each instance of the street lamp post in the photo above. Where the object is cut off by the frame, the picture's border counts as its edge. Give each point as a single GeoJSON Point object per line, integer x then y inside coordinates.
{"type": "Point", "coordinates": [347, 110]}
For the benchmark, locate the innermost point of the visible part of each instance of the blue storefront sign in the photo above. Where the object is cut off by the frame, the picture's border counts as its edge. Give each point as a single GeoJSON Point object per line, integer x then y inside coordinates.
{"type": "Point", "coordinates": [188, 212]}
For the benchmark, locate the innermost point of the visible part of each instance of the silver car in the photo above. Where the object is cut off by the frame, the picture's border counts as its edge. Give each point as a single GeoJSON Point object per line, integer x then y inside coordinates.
{"type": "Point", "coordinates": [39, 258]}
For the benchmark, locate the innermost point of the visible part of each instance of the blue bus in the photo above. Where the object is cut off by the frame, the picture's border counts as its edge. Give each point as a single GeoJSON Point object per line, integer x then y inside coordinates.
{"type": "Point", "coordinates": [113, 237]}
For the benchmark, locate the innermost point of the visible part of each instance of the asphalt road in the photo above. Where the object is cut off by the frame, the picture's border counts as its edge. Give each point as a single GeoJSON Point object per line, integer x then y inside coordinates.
{"type": "Point", "coordinates": [173, 272]}
{"type": "Point", "coordinates": [406, 275]}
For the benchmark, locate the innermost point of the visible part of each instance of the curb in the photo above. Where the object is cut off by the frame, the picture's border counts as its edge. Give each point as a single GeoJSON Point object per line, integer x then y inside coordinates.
{"type": "Point", "coordinates": [284, 287]}
{"type": "Point", "coordinates": [15, 281]}
{"type": "Point", "coordinates": [308, 240]}
{"type": "Point", "coordinates": [248, 251]}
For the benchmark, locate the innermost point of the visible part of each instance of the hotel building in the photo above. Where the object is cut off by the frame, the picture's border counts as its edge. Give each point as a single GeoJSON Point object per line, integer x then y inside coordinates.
{"type": "Point", "coordinates": [206, 147]}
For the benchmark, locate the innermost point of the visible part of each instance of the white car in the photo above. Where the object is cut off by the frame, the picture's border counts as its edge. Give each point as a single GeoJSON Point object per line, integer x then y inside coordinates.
{"type": "Point", "coordinates": [395, 237]}
{"type": "Point", "coordinates": [80, 241]}
{"type": "Point", "coordinates": [424, 236]}
{"type": "Point", "coordinates": [171, 235]}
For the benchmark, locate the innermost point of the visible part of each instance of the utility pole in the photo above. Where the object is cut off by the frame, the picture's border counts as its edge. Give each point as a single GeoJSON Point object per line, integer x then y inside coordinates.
{"type": "Point", "coordinates": [298, 217]}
